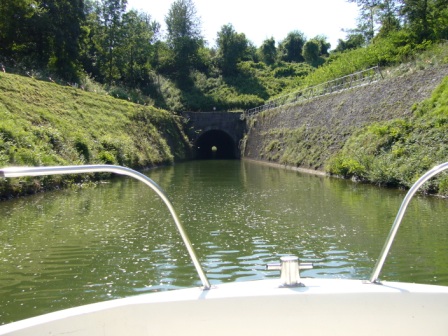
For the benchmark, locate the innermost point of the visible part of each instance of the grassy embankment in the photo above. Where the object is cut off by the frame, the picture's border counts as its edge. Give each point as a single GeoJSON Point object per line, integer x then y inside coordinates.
{"type": "Point", "coordinates": [389, 153]}
{"type": "Point", "coordinates": [44, 124]}
{"type": "Point", "coordinates": [397, 152]}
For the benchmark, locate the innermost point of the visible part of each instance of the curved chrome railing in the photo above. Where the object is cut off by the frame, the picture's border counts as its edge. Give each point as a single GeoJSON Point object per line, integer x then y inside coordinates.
{"type": "Point", "coordinates": [379, 264]}
{"type": "Point", "coordinates": [40, 171]}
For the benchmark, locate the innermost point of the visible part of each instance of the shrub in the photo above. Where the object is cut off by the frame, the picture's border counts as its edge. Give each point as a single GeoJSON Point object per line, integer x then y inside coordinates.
{"type": "Point", "coordinates": [346, 167]}
{"type": "Point", "coordinates": [106, 157]}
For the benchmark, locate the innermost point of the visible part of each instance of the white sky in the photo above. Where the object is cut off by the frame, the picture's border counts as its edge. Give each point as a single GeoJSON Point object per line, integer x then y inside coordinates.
{"type": "Point", "coordinates": [262, 19]}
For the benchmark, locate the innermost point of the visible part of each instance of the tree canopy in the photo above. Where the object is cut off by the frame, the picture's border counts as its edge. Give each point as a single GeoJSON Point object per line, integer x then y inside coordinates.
{"type": "Point", "coordinates": [423, 19]}
{"type": "Point", "coordinates": [184, 37]}
{"type": "Point", "coordinates": [290, 48]}
{"type": "Point", "coordinates": [104, 42]}
{"type": "Point", "coordinates": [232, 48]}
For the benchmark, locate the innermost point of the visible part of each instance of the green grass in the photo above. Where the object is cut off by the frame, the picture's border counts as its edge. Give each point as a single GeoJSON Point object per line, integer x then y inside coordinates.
{"type": "Point", "coordinates": [397, 152]}
{"type": "Point", "coordinates": [395, 55]}
{"type": "Point", "coordinates": [44, 124]}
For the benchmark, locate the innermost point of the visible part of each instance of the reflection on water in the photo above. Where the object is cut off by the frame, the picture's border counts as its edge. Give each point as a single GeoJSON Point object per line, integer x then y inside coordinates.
{"type": "Point", "coordinates": [67, 248]}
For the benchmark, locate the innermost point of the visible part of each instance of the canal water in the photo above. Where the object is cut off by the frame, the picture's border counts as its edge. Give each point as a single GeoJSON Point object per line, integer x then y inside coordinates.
{"type": "Point", "coordinates": [72, 247]}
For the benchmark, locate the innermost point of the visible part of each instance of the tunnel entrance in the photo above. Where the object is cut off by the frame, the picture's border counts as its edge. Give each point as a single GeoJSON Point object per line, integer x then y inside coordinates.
{"type": "Point", "coordinates": [217, 145]}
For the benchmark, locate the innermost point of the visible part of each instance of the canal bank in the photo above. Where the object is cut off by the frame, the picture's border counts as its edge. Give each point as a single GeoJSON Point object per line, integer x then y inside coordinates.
{"type": "Point", "coordinates": [309, 135]}
{"type": "Point", "coordinates": [45, 124]}
{"type": "Point", "coordinates": [39, 118]}
{"type": "Point", "coordinates": [286, 167]}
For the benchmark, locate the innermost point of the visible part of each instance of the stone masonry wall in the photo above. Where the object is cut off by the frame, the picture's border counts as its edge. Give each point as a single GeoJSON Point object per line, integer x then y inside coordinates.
{"type": "Point", "coordinates": [326, 122]}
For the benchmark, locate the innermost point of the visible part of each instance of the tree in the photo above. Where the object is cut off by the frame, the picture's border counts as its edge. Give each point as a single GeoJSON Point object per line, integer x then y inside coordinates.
{"type": "Point", "coordinates": [184, 36]}
{"type": "Point", "coordinates": [91, 51]}
{"type": "Point", "coordinates": [232, 47]}
{"type": "Point", "coordinates": [389, 12]}
{"type": "Point", "coordinates": [120, 47]}
{"type": "Point", "coordinates": [252, 52]}
{"type": "Point", "coordinates": [423, 20]}
{"type": "Point", "coordinates": [353, 41]}
{"type": "Point", "coordinates": [324, 45]}
{"type": "Point", "coordinates": [137, 47]}
{"type": "Point", "coordinates": [426, 19]}
{"type": "Point", "coordinates": [64, 19]}
{"type": "Point", "coordinates": [440, 21]}
{"type": "Point", "coordinates": [389, 25]}
{"type": "Point", "coordinates": [111, 20]}
{"type": "Point", "coordinates": [268, 51]}
{"type": "Point", "coordinates": [367, 14]}
{"type": "Point", "coordinates": [378, 17]}
{"type": "Point", "coordinates": [100, 54]}
{"type": "Point", "coordinates": [15, 25]}
{"type": "Point", "coordinates": [290, 49]}
{"type": "Point", "coordinates": [311, 53]}
{"type": "Point", "coordinates": [43, 33]}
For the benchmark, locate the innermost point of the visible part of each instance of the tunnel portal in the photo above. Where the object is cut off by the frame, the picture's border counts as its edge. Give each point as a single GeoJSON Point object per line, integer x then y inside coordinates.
{"type": "Point", "coordinates": [215, 135]}
{"type": "Point", "coordinates": [215, 144]}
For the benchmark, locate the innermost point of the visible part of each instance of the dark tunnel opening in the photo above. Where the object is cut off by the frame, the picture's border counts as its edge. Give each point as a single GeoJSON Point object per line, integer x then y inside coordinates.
{"type": "Point", "coordinates": [215, 145]}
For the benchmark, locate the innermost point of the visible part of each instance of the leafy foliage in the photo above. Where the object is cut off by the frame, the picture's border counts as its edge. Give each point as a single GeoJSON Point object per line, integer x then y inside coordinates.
{"type": "Point", "coordinates": [311, 53]}
{"type": "Point", "coordinates": [184, 37]}
{"type": "Point", "coordinates": [290, 49]}
{"type": "Point", "coordinates": [268, 51]}
{"type": "Point", "coordinates": [423, 19]}
{"type": "Point", "coordinates": [124, 53]}
{"type": "Point", "coordinates": [43, 33]}
{"type": "Point", "coordinates": [232, 48]}
{"type": "Point", "coordinates": [354, 41]}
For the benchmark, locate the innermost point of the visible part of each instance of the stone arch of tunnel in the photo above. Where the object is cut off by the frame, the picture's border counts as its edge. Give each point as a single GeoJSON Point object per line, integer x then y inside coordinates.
{"type": "Point", "coordinates": [215, 144]}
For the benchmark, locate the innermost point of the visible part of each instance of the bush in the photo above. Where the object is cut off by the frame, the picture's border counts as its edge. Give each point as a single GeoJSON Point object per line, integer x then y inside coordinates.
{"type": "Point", "coordinates": [346, 167]}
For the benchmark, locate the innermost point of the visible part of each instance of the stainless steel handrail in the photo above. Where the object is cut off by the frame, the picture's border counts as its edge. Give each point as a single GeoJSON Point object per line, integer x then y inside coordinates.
{"type": "Point", "coordinates": [379, 264]}
{"type": "Point", "coordinates": [40, 171]}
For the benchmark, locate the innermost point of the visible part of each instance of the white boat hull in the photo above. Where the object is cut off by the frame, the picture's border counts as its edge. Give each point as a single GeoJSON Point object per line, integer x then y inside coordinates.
{"type": "Point", "coordinates": [323, 307]}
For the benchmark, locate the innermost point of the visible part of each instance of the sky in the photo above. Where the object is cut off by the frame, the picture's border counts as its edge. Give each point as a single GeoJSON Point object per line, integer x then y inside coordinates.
{"type": "Point", "coordinates": [263, 19]}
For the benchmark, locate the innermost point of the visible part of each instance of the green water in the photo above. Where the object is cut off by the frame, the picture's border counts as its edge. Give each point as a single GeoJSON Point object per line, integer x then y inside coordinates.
{"type": "Point", "coordinates": [67, 248]}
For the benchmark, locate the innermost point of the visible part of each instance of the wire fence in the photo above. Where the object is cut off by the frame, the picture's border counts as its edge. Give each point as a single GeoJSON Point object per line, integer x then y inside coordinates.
{"type": "Point", "coordinates": [356, 79]}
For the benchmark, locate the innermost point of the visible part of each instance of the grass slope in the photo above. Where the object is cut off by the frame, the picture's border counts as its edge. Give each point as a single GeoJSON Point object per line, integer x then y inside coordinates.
{"type": "Point", "coordinates": [44, 124]}
{"type": "Point", "coordinates": [397, 152]}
